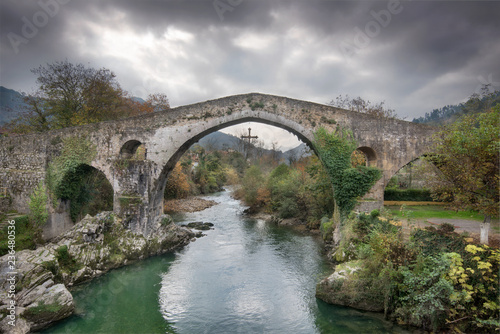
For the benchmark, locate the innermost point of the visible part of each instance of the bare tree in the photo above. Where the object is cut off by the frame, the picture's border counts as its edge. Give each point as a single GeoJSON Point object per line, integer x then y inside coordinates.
{"type": "Point", "coordinates": [275, 152]}
{"type": "Point", "coordinates": [361, 105]}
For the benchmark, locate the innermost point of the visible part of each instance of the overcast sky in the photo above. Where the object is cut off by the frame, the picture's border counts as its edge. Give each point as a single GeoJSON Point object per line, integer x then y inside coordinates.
{"type": "Point", "coordinates": [414, 55]}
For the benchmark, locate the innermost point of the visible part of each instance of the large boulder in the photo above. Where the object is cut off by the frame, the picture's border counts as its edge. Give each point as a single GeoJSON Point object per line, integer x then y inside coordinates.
{"type": "Point", "coordinates": [345, 287]}
{"type": "Point", "coordinates": [53, 303]}
{"type": "Point", "coordinates": [38, 301]}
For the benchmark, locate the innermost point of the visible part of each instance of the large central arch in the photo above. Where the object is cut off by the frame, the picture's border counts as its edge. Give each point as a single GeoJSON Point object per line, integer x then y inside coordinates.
{"type": "Point", "coordinates": [156, 197]}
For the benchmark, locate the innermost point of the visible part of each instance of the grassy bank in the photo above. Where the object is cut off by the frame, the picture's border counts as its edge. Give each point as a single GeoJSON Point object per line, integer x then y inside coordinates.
{"type": "Point", "coordinates": [433, 211]}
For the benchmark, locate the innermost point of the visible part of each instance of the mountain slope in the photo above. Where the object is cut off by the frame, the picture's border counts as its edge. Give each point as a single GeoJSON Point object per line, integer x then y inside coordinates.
{"type": "Point", "coordinates": [11, 104]}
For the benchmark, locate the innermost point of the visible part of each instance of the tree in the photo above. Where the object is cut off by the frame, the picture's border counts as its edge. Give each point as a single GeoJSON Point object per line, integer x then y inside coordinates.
{"type": "Point", "coordinates": [154, 103]}
{"type": "Point", "coordinates": [34, 118]}
{"type": "Point", "coordinates": [358, 104]}
{"type": "Point", "coordinates": [75, 94]}
{"type": "Point", "coordinates": [71, 95]}
{"type": "Point", "coordinates": [177, 184]}
{"type": "Point", "coordinates": [467, 155]}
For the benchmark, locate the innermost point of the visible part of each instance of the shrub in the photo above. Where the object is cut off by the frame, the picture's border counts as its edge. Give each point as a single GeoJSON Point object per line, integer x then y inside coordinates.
{"type": "Point", "coordinates": [423, 294]}
{"type": "Point", "coordinates": [65, 259]}
{"type": "Point", "coordinates": [326, 228]}
{"type": "Point", "coordinates": [419, 195]}
{"type": "Point", "coordinates": [38, 208]}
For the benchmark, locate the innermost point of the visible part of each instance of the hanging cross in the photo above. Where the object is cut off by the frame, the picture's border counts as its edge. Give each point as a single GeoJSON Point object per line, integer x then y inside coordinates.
{"type": "Point", "coordinates": [249, 137]}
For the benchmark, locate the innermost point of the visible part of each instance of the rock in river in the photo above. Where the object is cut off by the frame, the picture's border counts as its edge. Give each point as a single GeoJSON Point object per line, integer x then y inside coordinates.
{"type": "Point", "coordinates": [92, 247]}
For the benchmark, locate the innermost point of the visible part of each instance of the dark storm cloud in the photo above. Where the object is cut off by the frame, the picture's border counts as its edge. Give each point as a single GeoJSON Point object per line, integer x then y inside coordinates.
{"type": "Point", "coordinates": [423, 55]}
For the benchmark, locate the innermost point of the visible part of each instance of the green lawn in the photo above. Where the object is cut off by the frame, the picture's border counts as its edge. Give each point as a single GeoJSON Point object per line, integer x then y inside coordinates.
{"type": "Point", "coordinates": [435, 211]}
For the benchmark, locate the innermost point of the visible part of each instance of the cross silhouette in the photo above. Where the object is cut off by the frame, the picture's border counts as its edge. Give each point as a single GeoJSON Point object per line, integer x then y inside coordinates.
{"type": "Point", "coordinates": [249, 137]}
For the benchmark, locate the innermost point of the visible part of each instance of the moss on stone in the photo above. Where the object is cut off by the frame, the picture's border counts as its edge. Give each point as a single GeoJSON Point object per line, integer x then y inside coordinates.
{"type": "Point", "coordinates": [42, 311]}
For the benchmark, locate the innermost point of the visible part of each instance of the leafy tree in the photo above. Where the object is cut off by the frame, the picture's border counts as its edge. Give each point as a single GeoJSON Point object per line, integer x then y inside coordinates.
{"type": "Point", "coordinates": [467, 155]}
{"type": "Point", "coordinates": [252, 182]}
{"type": "Point", "coordinates": [177, 183]}
{"type": "Point", "coordinates": [358, 158]}
{"type": "Point", "coordinates": [72, 94]}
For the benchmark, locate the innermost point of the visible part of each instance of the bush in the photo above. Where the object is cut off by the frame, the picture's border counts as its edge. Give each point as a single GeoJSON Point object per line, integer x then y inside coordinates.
{"type": "Point", "coordinates": [423, 294]}
{"type": "Point", "coordinates": [38, 207]}
{"type": "Point", "coordinates": [66, 260]}
{"type": "Point", "coordinates": [25, 235]}
{"type": "Point", "coordinates": [326, 228]}
{"type": "Point", "coordinates": [436, 280]}
{"type": "Point", "coordinates": [288, 208]}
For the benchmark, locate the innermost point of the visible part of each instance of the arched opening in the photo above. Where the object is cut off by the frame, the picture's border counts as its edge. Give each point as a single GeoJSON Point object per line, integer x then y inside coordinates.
{"type": "Point", "coordinates": [229, 150]}
{"type": "Point", "coordinates": [86, 190]}
{"type": "Point", "coordinates": [411, 182]}
{"type": "Point", "coordinates": [369, 154]}
{"type": "Point", "coordinates": [133, 149]}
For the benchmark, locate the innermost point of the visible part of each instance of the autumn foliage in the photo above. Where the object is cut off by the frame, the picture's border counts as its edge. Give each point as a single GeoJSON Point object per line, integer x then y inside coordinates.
{"type": "Point", "coordinates": [73, 94]}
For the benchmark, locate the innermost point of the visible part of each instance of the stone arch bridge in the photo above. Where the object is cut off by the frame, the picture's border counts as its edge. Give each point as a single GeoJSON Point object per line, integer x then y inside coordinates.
{"type": "Point", "coordinates": [138, 185]}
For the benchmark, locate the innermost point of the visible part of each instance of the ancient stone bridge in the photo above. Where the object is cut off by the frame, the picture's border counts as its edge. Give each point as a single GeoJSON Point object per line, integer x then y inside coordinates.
{"type": "Point", "coordinates": [139, 184]}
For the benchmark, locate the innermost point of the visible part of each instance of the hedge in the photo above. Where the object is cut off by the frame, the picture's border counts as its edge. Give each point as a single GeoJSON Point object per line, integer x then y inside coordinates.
{"type": "Point", "coordinates": [420, 195]}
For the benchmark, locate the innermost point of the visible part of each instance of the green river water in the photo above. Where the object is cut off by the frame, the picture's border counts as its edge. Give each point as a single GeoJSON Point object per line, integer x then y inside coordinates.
{"type": "Point", "coordinates": [244, 276]}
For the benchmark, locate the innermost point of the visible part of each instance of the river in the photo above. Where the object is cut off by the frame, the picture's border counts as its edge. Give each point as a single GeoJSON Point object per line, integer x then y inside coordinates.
{"type": "Point", "coordinates": [244, 276]}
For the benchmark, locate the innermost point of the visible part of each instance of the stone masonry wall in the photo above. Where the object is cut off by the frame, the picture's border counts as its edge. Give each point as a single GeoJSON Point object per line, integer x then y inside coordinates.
{"type": "Point", "coordinates": [167, 135]}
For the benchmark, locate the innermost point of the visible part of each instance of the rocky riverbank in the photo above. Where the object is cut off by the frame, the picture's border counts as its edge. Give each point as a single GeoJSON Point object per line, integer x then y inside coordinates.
{"type": "Point", "coordinates": [92, 247]}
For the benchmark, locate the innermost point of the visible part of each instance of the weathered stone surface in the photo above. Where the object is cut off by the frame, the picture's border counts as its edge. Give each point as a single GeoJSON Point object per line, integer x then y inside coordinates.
{"type": "Point", "coordinates": [139, 184]}
{"type": "Point", "coordinates": [340, 289]}
{"type": "Point", "coordinates": [54, 303]}
{"type": "Point", "coordinates": [21, 326]}
{"type": "Point", "coordinates": [94, 246]}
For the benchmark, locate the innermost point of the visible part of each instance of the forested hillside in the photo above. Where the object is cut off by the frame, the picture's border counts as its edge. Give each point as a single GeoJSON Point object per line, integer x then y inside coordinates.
{"type": "Point", "coordinates": [448, 114]}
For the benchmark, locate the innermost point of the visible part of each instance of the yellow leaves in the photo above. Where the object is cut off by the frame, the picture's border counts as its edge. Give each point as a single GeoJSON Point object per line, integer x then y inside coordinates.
{"type": "Point", "coordinates": [484, 265]}
{"type": "Point", "coordinates": [491, 305]}
{"type": "Point", "coordinates": [396, 223]}
{"type": "Point", "coordinates": [474, 249]}
{"type": "Point", "coordinates": [454, 297]}
{"type": "Point", "coordinates": [177, 183]}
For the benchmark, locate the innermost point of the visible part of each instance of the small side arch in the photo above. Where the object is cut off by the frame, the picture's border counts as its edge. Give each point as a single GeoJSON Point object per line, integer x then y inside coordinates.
{"type": "Point", "coordinates": [371, 155]}
{"type": "Point", "coordinates": [129, 149]}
